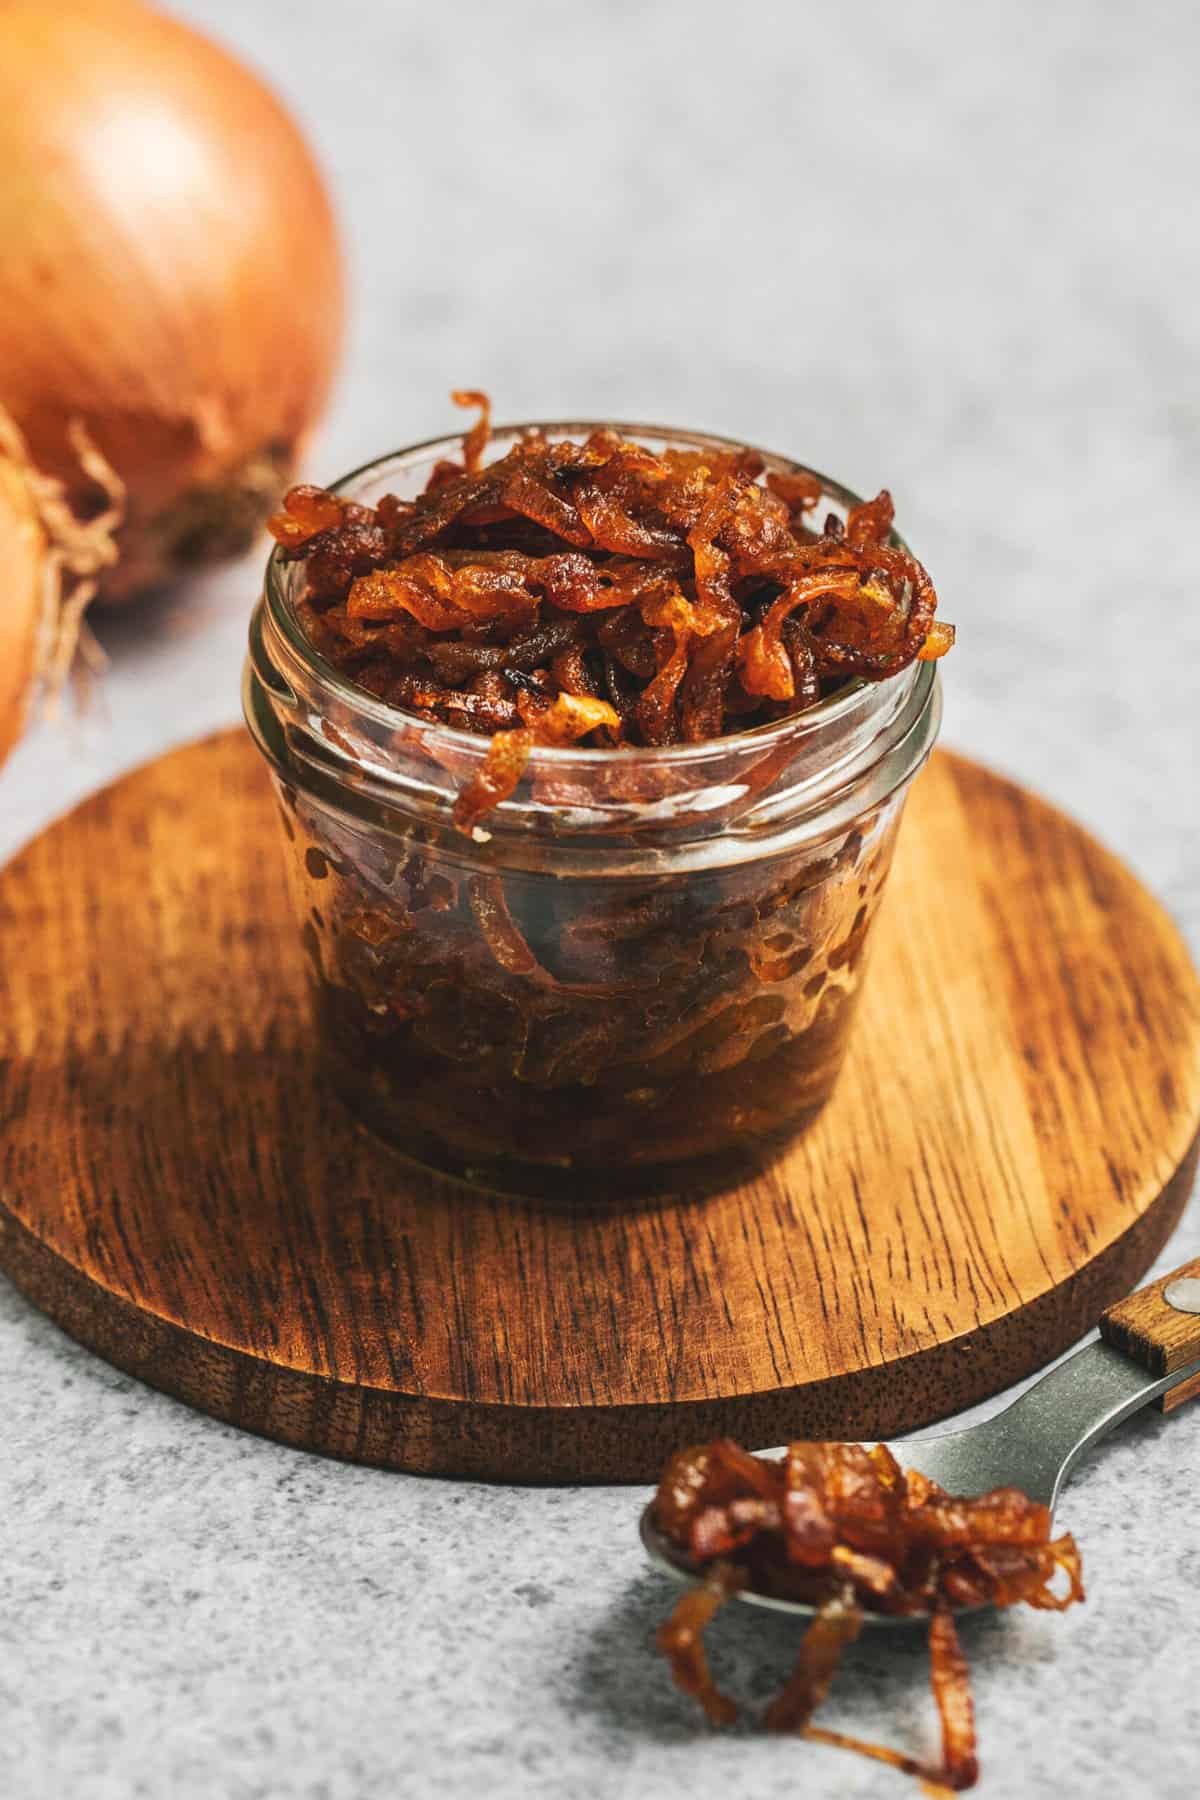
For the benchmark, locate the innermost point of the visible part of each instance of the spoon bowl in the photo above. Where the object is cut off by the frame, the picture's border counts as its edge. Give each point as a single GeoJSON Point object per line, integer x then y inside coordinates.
{"type": "Point", "coordinates": [1034, 1443]}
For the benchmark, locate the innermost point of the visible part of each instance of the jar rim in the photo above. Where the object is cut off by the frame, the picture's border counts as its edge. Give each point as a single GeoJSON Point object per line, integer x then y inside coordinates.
{"type": "Point", "coordinates": [775, 733]}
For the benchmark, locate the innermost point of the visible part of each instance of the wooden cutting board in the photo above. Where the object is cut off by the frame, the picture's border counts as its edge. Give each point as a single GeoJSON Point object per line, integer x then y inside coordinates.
{"type": "Point", "coordinates": [1012, 1141]}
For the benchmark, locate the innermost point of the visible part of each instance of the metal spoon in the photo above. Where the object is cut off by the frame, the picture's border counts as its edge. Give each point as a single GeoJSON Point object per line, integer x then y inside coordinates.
{"type": "Point", "coordinates": [1034, 1443]}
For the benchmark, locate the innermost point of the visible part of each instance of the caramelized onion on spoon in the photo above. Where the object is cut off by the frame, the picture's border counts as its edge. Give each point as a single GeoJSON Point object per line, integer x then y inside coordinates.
{"type": "Point", "coordinates": [849, 1532]}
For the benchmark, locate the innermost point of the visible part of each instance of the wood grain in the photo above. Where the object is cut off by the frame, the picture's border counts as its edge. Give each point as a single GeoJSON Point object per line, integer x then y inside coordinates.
{"type": "Point", "coordinates": [1012, 1142]}
{"type": "Point", "coordinates": [1177, 1396]}
{"type": "Point", "coordinates": [1157, 1335]}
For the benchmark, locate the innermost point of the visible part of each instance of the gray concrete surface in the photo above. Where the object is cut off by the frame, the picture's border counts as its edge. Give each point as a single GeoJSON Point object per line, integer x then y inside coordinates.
{"type": "Point", "coordinates": [951, 248]}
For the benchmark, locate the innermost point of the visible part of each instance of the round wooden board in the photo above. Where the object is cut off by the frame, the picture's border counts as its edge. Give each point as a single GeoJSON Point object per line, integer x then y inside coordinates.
{"type": "Point", "coordinates": [1012, 1142]}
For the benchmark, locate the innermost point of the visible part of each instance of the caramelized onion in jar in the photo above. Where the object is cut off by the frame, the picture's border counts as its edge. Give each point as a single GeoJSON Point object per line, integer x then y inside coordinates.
{"type": "Point", "coordinates": [586, 911]}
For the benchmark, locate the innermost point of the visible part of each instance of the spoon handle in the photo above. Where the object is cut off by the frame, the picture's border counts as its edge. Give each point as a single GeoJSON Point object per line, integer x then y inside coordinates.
{"type": "Point", "coordinates": [1159, 1328]}
{"type": "Point", "coordinates": [1145, 1355]}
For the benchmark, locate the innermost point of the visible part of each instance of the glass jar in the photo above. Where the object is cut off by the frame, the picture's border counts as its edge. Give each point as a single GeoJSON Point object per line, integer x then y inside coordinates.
{"type": "Point", "coordinates": [639, 975]}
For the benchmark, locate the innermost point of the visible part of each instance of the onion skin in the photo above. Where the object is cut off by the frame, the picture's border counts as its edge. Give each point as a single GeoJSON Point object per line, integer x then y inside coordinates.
{"type": "Point", "coordinates": [52, 562]}
{"type": "Point", "coordinates": [170, 277]}
{"type": "Point", "coordinates": [22, 569]}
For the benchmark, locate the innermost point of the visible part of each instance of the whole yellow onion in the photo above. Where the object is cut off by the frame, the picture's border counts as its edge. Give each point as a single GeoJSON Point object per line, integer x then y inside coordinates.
{"type": "Point", "coordinates": [169, 278]}
{"type": "Point", "coordinates": [52, 561]}
{"type": "Point", "coordinates": [22, 571]}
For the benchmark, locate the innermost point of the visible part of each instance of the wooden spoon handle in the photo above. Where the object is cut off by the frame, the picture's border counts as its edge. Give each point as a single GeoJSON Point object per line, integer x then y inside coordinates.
{"type": "Point", "coordinates": [1159, 1327]}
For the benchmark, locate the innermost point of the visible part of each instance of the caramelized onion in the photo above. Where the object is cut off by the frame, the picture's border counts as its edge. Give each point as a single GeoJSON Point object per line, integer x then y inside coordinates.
{"type": "Point", "coordinates": [678, 569]}
{"type": "Point", "coordinates": [848, 1531]}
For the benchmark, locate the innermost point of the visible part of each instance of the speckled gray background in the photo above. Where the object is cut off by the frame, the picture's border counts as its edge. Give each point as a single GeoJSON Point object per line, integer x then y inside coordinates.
{"type": "Point", "coordinates": [949, 247]}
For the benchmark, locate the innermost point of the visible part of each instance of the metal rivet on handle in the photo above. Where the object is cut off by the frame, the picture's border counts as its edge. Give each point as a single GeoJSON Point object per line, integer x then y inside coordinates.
{"type": "Point", "coordinates": [1183, 1295]}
